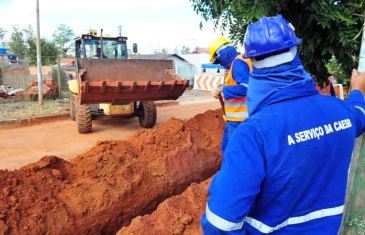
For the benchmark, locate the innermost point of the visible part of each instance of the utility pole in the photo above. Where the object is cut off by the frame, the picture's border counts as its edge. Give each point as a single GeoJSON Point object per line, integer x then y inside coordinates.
{"type": "Point", "coordinates": [362, 51]}
{"type": "Point", "coordinates": [120, 30]}
{"type": "Point", "coordinates": [39, 61]}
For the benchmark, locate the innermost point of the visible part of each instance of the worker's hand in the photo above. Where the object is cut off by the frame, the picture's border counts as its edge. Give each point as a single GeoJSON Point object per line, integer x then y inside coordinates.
{"type": "Point", "coordinates": [217, 91]}
{"type": "Point", "coordinates": [358, 81]}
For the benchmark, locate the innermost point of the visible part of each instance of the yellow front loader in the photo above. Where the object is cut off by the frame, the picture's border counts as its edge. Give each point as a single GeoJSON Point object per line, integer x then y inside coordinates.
{"type": "Point", "coordinates": [109, 84]}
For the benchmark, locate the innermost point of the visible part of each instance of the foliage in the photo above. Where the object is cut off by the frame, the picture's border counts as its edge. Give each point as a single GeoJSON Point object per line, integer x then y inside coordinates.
{"type": "Point", "coordinates": [328, 28]}
{"type": "Point", "coordinates": [2, 33]}
{"type": "Point", "coordinates": [63, 37]}
{"type": "Point", "coordinates": [28, 37]}
{"type": "Point", "coordinates": [49, 52]}
{"type": "Point", "coordinates": [23, 43]}
{"type": "Point", "coordinates": [161, 51]}
{"type": "Point", "coordinates": [28, 34]}
{"type": "Point", "coordinates": [17, 43]}
{"type": "Point", "coordinates": [120, 30]}
{"type": "Point", "coordinates": [336, 70]}
{"type": "Point", "coordinates": [185, 50]}
{"type": "Point", "coordinates": [176, 50]}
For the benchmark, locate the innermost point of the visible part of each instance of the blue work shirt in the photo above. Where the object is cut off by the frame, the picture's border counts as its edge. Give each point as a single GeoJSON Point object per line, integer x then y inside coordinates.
{"type": "Point", "coordinates": [286, 166]}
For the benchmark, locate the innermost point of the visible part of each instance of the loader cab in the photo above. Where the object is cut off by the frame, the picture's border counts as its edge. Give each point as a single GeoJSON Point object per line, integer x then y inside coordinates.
{"type": "Point", "coordinates": [88, 46]}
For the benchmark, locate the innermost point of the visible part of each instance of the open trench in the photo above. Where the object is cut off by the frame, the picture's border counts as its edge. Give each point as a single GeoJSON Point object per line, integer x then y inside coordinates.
{"type": "Point", "coordinates": [177, 215]}
{"type": "Point", "coordinates": [104, 189]}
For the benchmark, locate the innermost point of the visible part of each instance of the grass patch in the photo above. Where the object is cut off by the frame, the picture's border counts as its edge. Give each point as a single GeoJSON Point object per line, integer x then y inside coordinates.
{"type": "Point", "coordinates": [22, 109]}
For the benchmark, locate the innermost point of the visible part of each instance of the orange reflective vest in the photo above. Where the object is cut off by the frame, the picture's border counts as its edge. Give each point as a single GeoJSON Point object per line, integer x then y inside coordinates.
{"type": "Point", "coordinates": [236, 109]}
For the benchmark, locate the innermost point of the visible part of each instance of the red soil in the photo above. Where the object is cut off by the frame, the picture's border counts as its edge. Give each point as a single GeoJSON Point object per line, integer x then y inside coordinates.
{"type": "Point", "coordinates": [102, 190]}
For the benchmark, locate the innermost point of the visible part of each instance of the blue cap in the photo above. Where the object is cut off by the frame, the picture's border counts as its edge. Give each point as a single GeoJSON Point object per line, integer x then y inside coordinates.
{"type": "Point", "coordinates": [269, 35]}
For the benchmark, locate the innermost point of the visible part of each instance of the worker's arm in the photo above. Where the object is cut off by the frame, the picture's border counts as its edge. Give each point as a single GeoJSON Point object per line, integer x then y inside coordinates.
{"type": "Point", "coordinates": [234, 188]}
{"type": "Point", "coordinates": [240, 74]}
{"type": "Point", "coordinates": [357, 101]}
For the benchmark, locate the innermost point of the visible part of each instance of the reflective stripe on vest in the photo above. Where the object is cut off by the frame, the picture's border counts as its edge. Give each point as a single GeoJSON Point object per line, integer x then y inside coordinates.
{"type": "Point", "coordinates": [319, 214]}
{"type": "Point", "coordinates": [226, 225]}
{"type": "Point", "coordinates": [236, 109]}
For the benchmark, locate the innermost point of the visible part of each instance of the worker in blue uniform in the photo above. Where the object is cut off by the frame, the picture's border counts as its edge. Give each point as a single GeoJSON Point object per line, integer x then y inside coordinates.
{"type": "Point", "coordinates": [235, 84]}
{"type": "Point", "coordinates": [285, 168]}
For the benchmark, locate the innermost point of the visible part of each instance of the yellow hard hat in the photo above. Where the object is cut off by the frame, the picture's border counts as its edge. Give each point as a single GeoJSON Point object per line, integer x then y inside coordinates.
{"type": "Point", "coordinates": [215, 45]}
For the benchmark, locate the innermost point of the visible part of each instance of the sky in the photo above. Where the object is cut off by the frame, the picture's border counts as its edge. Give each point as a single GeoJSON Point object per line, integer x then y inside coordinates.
{"type": "Point", "coordinates": [152, 24]}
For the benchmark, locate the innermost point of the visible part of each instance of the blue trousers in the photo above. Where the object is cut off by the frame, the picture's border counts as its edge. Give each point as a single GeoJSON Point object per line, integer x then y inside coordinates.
{"type": "Point", "coordinates": [228, 131]}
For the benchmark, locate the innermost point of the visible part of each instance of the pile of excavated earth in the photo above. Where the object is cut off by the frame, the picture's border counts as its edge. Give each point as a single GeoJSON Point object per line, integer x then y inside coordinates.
{"type": "Point", "coordinates": [136, 186]}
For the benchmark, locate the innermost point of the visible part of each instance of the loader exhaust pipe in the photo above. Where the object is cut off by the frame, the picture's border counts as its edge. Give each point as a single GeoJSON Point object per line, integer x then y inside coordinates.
{"type": "Point", "coordinates": [101, 45]}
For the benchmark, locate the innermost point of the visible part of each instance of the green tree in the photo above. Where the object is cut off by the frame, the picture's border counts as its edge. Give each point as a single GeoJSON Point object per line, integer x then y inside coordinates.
{"type": "Point", "coordinates": [49, 52]}
{"type": "Point", "coordinates": [328, 28]}
{"type": "Point", "coordinates": [336, 70]}
{"type": "Point", "coordinates": [17, 43]}
{"type": "Point", "coordinates": [176, 50]}
{"type": "Point", "coordinates": [63, 37]}
{"type": "Point", "coordinates": [161, 51]}
{"type": "Point", "coordinates": [28, 36]}
{"type": "Point", "coordinates": [164, 51]}
{"type": "Point", "coordinates": [185, 50]}
{"type": "Point", "coordinates": [28, 33]}
{"type": "Point", "coordinates": [2, 33]}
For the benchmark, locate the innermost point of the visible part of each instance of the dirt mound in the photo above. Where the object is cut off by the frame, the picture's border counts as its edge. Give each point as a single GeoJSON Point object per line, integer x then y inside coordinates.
{"type": "Point", "coordinates": [103, 189]}
{"type": "Point", "coordinates": [30, 193]}
{"type": "Point", "coordinates": [177, 215]}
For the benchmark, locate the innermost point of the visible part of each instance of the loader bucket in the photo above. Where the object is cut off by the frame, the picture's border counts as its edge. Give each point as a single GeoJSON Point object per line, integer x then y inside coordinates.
{"type": "Point", "coordinates": [113, 81]}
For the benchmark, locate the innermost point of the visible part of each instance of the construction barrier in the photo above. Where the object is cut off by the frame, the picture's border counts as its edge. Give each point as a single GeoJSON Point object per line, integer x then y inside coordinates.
{"type": "Point", "coordinates": [206, 82]}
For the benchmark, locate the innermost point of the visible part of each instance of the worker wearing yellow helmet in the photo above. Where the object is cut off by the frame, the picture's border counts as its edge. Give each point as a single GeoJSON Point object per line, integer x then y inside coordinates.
{"type": "Point", "coordinates": [235, 85]}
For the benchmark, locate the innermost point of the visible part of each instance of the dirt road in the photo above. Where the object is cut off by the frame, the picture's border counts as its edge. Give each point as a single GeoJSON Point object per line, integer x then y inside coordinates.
{"type": "Point", "coordinates": [21, 146]}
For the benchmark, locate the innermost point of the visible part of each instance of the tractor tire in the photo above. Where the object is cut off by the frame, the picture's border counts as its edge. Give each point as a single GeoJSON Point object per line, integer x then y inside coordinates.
{"type": "Point", "coordinates": [148, 114]}
{"type": "Point", "coordinates": [72, 108]}
{"type": "Point", "coordinates": [83, 119]}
